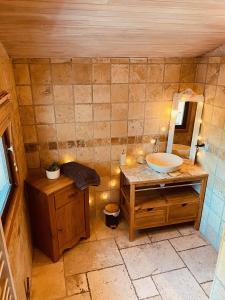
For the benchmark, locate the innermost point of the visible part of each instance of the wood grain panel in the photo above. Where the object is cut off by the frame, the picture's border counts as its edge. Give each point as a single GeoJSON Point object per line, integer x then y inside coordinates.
{"type": "Point", "coordinates": [111, 28]}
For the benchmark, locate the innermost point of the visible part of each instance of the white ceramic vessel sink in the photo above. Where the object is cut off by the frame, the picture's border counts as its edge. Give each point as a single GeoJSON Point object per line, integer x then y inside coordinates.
{"type": "Point", "coordinates": [164, 162]}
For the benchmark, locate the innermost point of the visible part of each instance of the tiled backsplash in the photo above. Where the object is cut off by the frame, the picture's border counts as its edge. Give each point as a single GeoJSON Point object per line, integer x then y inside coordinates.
{"type": "Point", "coordinates": [212, 80]}
{"type": "Point", "coordinates": [90, 109]}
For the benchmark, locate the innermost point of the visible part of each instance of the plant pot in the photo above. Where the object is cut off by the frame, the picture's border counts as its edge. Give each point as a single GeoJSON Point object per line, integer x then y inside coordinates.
{"type": "Point", "coordinates": [53, 174]}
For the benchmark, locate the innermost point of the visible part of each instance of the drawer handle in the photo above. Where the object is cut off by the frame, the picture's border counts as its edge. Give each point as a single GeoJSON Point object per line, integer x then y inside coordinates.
{"type": "Point", "coordinates": [150, 209]}
{"type": "Point", "coordinates": [184, 204]}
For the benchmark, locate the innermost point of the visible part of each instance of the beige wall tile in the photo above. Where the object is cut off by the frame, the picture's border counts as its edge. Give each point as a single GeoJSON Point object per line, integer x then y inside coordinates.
{"type": "Point", "coordinates": [40, 73]}
{"type": "Point", "coordinates": [119, 92]}
{"type": "Point", "coordinates": [82, 73]}
{"type": "Point", "coordinates": [201, 73]}
{"type": "Point", "coordinates": [169, 90]}
{"type": "Point", "coordinates": [120, 73]}
{"type": "Point", "coordinates": [46, 133]}
{"type": "Point", "coordinates": [29, 134]}
{"type": "Point", "coordinates": [218, 117]}
{"type": "Point", "coordinates": [221, 79]}
{"type": "Point", "coordinates": [101, 129]}
{"type": "Point", "coordinates": [83, 60]}
{"type": "Point", "coordinates": [172, 73]}
{"type": "Point", "coordinates": [21, 73]}
{"type": "Point", "coordinates": [42, 94]}
{"type": "Point", "coordinates": [26, 115]}
{"type": "Point", "coordinates": [63, 94]}
{"type": "Point", "coordinates": [47, 157]}
{"type": "Point", "coordinates": [212, 73]}
{"type": "Point", "coordinates": [64, 113]}
{"type": "Point", "coordinates": [210, 92]}
{"type": "Point", "coordinates": [137, 92]}
{"type": "Point", "coordinates": [85, 155]}
{"type": "Point", "coordinates": [155, 73]}
{"type": "Point", "coordinates": [24, 95]}
{"type": "Point", "coordinates": [119, 129]}
{"type": "Point", "coordinates": [153, 110]}
{"type": "Point", "coordinates": [220, 96]}
{"type": "Point", "coordinates": [65, 132]}
{"type": "Point", "coordinates": [154, 92]}
{"type": "Point", "coordinates": [101, 112]}
{"type": "Point", "coordinates": [101, 73]}
{"type": "Point", "coordinates": [101, 93]}
{"type": "Point", "coordinates": [207, 113]}
{"type": "Point", "coordinates": [119, 111]}
{"type": "Point", "coordinates": [120, 60]}
{"type": "Point", "coordinates": [151, 126]}
{"type": "Point", "coordinates": [62, 73]}
{"type": "Point", "coordinates": [67, 155]}
{"type": "Point", "coordinates": [102, 153]}
{"type": "Point", "coordinates": [138, 73]}
{"type": "Point", "coordinates": [136, 110]}
{"type": "Point", "coordinates": [135, 127]}
{"type": "Point", "coordinates": [83, 112]}
{"type": "Point", "coordinates": [82, 93]}
{"type": "Point", "coordinates": [44, 114]}
{"type": "Point", "coordinates": [84, 131]}
{"type": "Point", "coordinates": [187, 72]}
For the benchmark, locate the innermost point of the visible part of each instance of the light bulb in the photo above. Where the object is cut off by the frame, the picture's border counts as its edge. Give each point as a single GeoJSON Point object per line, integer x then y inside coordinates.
{"type": "Point", "coordinates": [152, 141]}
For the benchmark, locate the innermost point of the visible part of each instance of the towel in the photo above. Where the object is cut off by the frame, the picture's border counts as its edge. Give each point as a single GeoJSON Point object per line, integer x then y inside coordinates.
{"type": "Point", "coordinates": [83, 176]}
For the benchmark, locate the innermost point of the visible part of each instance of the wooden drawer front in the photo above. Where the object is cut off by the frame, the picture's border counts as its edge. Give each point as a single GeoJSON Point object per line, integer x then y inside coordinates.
{"type": "Point", "coordinates": [150, 217]}
{"type": "Point", "coordinates": [67, 195]}
{"type": "Point", "coordinates": [183, 211]}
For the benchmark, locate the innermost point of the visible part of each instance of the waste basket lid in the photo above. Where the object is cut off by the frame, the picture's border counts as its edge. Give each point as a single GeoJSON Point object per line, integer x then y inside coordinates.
{"type": "Point", "coordinates": [112, 207]}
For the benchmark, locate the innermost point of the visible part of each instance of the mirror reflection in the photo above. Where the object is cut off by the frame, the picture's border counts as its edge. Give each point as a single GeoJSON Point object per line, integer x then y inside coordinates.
{"type": "Point", "coordinates": [184, 126]}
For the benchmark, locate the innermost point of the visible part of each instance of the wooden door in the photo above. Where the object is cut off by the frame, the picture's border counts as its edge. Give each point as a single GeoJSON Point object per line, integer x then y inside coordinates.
{"type": "Point", "coordinates": [71, 222]}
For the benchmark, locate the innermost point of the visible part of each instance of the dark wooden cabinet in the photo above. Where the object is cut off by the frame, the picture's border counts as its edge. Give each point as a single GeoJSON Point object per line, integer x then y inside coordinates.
{"type": "Point", "coordinates": [59, 214]}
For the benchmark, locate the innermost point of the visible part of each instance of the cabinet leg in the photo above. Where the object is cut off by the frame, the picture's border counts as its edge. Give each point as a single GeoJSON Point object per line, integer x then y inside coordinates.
{"type": "Point", "coordinates": [131, 235]}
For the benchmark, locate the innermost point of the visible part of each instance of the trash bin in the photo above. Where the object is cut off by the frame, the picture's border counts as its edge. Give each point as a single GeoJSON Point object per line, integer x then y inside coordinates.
{"type": "Point", "coordinates": [112, 212]}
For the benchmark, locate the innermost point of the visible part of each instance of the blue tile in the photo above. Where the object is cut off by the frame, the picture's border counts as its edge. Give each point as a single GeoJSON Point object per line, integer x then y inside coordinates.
{"type": "Point", "coordinates": [218, 290]}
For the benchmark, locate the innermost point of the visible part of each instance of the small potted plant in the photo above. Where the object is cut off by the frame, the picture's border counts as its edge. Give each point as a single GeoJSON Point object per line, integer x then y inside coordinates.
{"type": "Point", "coordinates": [53, 171]}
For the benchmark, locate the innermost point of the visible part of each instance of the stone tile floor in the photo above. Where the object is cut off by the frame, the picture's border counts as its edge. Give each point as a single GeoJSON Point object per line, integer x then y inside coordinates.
{"type": "Point", "coordinates": [173, 263]}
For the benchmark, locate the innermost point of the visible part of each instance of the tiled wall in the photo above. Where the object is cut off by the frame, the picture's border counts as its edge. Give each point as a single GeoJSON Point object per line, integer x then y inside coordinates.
{"type": "Point", "coordinates": [89, 110]}
{"type": "Point", "coordinates": [218, 288]}
{"type": "Point", "coordinates": [211, 79]}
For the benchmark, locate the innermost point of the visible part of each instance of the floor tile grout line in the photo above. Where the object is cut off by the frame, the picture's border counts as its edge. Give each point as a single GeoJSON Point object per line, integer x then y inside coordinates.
{"type": "Point", "coordinates": [188, 249]}
{"type": "Point", "coordinates": [88, 284]}
{"type": "Point", "coordinates": [127, 272]}
{"type": "Point", "coordinates": [189, 271]}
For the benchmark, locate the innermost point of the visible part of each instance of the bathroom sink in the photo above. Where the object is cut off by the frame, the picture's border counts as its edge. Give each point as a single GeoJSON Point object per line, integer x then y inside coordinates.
{"type": "Point", "coordinates": [164, 162]}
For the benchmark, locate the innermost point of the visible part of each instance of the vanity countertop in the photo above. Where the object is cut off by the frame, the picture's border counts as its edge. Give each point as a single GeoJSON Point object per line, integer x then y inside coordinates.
{"type": "Point", "coordinates": [142, 174]}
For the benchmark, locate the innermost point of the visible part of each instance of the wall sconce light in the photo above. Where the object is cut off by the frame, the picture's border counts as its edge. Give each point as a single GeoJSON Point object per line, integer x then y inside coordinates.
{"type": "Point", "coordinates": [163, 129]}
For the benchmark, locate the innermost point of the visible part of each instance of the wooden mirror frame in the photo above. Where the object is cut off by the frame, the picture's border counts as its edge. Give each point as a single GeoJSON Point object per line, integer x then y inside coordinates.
{"type": "Point", "coordinates": [188, 96]}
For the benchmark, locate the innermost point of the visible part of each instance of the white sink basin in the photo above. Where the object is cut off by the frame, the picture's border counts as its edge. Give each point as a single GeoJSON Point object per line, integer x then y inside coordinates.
{"type": "Point", "coordinates": [164, 162]}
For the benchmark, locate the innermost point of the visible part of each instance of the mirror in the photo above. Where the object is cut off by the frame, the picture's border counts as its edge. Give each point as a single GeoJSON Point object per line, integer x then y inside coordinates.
{"type": "Point", "coordinates": [185, 124]}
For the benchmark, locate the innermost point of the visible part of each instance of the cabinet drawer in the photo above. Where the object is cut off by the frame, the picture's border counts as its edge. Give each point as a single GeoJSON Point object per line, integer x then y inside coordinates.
{"type": "Point", "coordinates": [185, 211]}
{"type": "Point", "coordinates": [67, 195]}
{"type": "Point", "coordinates": [150, 217]}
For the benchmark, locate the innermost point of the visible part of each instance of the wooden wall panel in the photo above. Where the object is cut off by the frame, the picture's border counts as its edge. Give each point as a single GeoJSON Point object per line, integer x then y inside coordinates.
{"type": "Point", "coordinates": [18, 239]}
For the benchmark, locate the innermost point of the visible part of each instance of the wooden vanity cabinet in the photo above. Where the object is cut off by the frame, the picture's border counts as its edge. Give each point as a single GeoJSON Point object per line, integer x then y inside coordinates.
{"type": "Point", "coordinates": [150, 201]}
{"type": "Point", "coordinates": [59, 214]}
